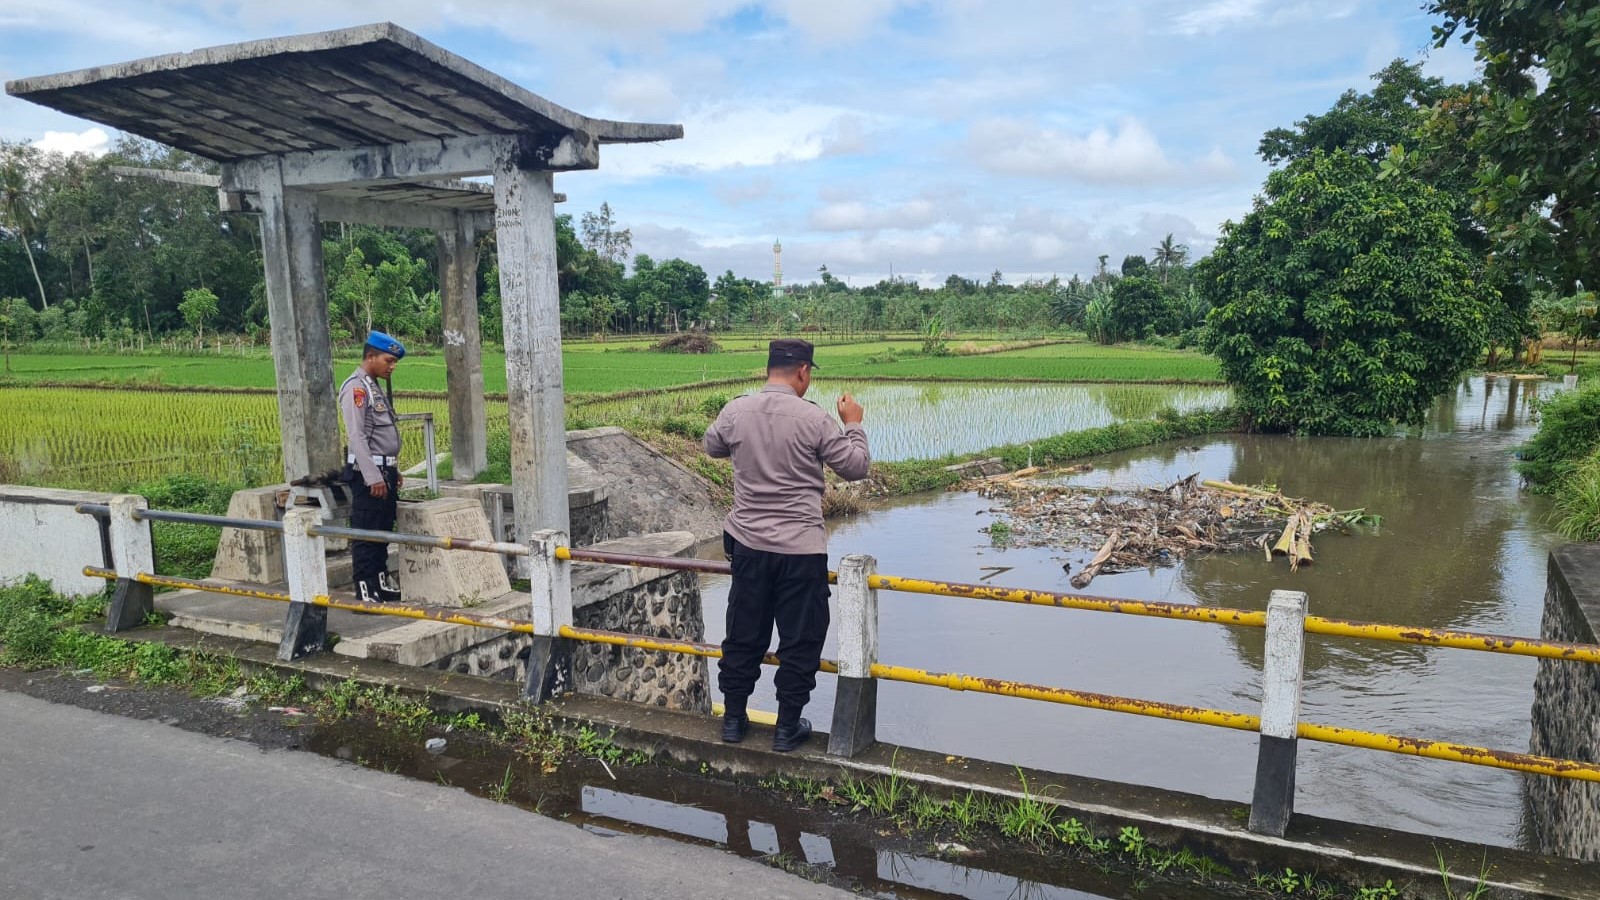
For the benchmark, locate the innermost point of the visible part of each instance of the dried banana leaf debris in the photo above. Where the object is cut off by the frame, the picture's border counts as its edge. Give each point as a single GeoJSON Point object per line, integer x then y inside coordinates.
{"type": "Point", "coordinates": [1135, 529]}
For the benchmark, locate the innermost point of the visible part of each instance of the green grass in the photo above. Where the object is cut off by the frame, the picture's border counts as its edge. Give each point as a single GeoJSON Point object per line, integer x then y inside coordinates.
{"type": "Point", "coordinates": [591, 368]}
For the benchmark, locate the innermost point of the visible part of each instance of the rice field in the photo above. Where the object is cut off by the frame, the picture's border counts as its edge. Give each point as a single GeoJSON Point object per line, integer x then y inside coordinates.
{"type": "Point", "coordinates": [152, 415]}
{"type": "Point", "coordinates": [602, 368]}
{"type": "Point", "coordinates": [109, 438]}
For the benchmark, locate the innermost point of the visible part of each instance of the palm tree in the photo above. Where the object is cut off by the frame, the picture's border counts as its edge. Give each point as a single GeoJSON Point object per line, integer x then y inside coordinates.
{"type": "Point", "coordinates": [16, 209]}
{"type": "Point", "coordinates": [1169, 255]}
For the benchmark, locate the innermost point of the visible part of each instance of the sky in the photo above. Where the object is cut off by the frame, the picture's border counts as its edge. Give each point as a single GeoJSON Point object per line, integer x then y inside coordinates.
{"type": "Point", "coordinates": [919, 138]}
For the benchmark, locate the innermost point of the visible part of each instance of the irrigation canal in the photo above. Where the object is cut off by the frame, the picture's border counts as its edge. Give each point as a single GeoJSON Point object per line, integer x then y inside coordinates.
{"type": "Point", "coordinates": [1460, 547]}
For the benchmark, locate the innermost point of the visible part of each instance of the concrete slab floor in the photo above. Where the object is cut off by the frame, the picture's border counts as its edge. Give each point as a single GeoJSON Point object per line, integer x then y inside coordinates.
{"type": "Point", "coordinates": [1351, 852]}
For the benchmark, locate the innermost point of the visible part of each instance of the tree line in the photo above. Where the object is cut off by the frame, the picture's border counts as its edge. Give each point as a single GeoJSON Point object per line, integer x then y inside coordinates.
{"type": "Point", "coordinates": [86, 253]}
{"type": "Point", "coordinates": [1405, 234]}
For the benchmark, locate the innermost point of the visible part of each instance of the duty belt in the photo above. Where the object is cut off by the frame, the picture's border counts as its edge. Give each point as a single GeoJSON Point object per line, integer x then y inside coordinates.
{"type": "Point", "coordinates": [376, 460]}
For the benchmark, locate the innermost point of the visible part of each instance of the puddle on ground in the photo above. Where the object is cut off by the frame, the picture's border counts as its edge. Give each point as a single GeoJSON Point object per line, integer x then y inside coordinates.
{"type": "Point", "coordinates": [820, 842]}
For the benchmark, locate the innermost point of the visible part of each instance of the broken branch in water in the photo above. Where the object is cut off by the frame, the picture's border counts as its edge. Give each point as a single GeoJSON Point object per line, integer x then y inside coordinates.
{"type": "Point", "coordinates": [1138, 528]}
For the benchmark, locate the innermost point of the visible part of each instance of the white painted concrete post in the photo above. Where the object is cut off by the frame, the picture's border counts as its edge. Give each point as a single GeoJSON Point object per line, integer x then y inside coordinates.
{"type": "Point", "coordinates": [297, 307]}
{"type": "Point", "coordinates": [855, 704]}
{"type": "Point", "coordinates": [132, 553]}
{"type": "Point", "coordinates": [550, 582]}
{"type": "Point", "coordinates": [531, 310]}
{"type": "Point", "coordinates": [1281, 678]}
{"type": "Point", "coordinates": [305, 630]}
{"type": "Point", "coordinates": [463, 349]}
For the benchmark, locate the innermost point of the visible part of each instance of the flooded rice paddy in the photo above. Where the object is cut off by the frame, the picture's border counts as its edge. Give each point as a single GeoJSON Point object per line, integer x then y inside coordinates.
{"type": "Point", "coordinates": [930, 421]}
{"type": "Point", "coordinates": [1461, 546]}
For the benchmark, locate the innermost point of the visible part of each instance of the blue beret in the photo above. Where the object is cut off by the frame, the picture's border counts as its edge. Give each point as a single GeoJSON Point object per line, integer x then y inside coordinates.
{"type": "Point", "coordinates": [383, 343]}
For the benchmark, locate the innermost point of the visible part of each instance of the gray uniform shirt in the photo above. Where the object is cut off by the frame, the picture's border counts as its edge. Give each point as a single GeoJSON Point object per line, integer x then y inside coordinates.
{"type": "Point", "coordinates": [779, 444]}
{"type": "Point", "coordinates": [369, 422]}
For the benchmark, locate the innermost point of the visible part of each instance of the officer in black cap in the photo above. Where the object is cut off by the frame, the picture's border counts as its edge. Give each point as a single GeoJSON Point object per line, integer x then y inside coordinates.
{"type": "Point", "coordinates": [372, 463]}
{"type": "Point", "coordinates": [779, 443]}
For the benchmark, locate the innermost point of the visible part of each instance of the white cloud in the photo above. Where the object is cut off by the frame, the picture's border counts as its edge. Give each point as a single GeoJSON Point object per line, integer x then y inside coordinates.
{"type": "Point", "coordinates": [642, 95]}
{"type": "Point", "coordinates": [93, 141]}
{"type": "Point", "coordinates": [744, 192]}
{"type": "Point", "coordinates": [836, 20]}
{"type": "Point", "coordinates": [1128, 154]}
{"type": "Point", "coordinates": [1213, 17]}
{"type": "Point", "coordinates": [747, 134]}
{"type": "Point", "coordinates": [854, 215]}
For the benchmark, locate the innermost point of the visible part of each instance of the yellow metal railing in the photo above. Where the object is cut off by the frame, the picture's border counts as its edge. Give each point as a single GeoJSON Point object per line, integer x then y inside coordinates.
{"type": "Point", "coordinates": [1479, 756]}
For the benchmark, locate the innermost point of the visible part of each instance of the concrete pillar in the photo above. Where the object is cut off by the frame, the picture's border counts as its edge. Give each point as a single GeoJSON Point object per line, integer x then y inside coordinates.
{"type": "Point", "coordinates": [531, 307]}
{"type": "Point", "coordinates": [1281, 676]}
{"type": "Point", "coordinates": [132, 553]}
{"type": "Point", "coordinates": [463, 349]}
{"type": "Point", "coordinates": [550, 583]}
{"type": "Point", "coordinates": [855, 703]}
{"type": "Point", "coordinates": [297, 304]}
{"type": "Point", "coordinates": [305, 560]}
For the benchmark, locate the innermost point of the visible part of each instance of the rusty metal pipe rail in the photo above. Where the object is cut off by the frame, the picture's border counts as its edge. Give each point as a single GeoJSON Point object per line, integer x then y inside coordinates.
{"type": "Point", "coordinates": [421, 540]}
{"type": "Point", "coordinates": [709, 566]}
{"type": "Point", "coordinates": [1479, 756]}
{"type": "Point", "coordinates": [339, 531]}
{"type": "Point", "coordinates": [1220, 615]}
{"type": "Point", "coordinates": [405, 611]}
{"type": "Point", "coordinates": [161, 515]}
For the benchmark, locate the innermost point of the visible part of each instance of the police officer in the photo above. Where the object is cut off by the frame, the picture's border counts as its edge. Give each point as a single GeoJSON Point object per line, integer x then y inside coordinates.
{"type": "Point", "coordinates": [371, 463]}
{"type": "Point", "coordinates": [779, 443]}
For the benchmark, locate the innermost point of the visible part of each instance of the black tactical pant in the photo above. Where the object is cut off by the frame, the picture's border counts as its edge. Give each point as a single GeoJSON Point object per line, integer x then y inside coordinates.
{"type": "Point", "coordinates": [368, 560]}
{"type": "Point", "coordinates": [791, 591]}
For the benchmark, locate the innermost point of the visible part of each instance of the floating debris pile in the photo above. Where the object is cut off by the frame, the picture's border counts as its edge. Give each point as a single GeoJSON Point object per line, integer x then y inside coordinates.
{"type": "Point", "coordinates": [1135, 529]}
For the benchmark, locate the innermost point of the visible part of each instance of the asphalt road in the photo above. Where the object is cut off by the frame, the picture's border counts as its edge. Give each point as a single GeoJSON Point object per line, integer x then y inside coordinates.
{"type": "Point", "coordinates": [100, 806]}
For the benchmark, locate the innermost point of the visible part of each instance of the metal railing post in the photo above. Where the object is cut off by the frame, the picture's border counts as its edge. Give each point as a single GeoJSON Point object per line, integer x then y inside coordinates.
{"type": "Point", "coordinates": [305, 629]}
{"type": "Point", "coordinates": [132, 554]}
{"type": "Point", "coordinates": [1281, 676]}
{"type": "Point", "coordinates": [550, 582]}
{"type": "Point", "coordinates": [428, 445]}
{"type": "Point", "coordinates": [855, 702]}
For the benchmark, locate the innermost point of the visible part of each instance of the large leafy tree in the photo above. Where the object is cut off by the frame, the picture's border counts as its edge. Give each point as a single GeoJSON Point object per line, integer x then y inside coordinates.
{"type": "Point", "coordinates": [1413, 126]}
{"type": "Point", "coordinates": [1342, 303]}
{"type": "Point", "coordinates": [1364, 125]}
{"type": "Point", "coordinates": [18, 202]}
{"type": "Point", "coordinates": [1538, 130]}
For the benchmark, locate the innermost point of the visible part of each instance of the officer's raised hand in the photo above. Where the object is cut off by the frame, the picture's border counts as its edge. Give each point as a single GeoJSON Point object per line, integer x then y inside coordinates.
{"type": "Point", "coordinates": [850, 412]}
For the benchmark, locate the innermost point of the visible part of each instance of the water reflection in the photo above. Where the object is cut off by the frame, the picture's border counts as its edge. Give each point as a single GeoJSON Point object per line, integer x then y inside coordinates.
{"type": "Point", "coordinates": [925, 421]}
{"type": "Point", "coordinates": [1460, 547]}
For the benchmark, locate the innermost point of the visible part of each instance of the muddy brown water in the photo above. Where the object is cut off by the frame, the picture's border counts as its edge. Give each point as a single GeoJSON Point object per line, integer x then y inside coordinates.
{"type": "Point", "coordinates": [1460, 546]}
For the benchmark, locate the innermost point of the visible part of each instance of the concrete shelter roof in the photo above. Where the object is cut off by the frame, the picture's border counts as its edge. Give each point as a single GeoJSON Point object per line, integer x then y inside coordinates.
{"type": "Point", "coordinates": [336, 90]}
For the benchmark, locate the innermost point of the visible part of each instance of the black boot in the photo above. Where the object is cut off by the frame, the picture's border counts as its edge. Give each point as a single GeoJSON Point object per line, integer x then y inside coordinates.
{"type": "Point", "coordinates": [734, 727]}
{"type": "Point", "coordinates": [388, 588]}
{"type": "Point", "coordinates": [788, 737]}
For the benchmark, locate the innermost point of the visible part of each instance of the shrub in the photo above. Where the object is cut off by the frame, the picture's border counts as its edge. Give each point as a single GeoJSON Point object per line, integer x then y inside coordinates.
{"type": "Point", "coordinates": [713, 404]}
{"type": "Point", "coordinates": [688, 342]}
{"type": "Point", "coordinates": [1569, 430]}
{"type": "Point", "coordinates": [1578, 502]}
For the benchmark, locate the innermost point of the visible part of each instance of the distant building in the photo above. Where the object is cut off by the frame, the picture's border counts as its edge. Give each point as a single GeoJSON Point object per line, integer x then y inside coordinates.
{"type": "Point", "coordinates": [777, 269]}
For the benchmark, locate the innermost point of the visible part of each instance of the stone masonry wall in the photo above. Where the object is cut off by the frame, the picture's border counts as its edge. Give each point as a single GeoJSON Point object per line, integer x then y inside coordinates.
{"type": "Point", "coordinates": [665, 608]}
{"type": "Point", "coordinates": [1566, 708]}
{"type": "Point", "coordinates": [646, 602]}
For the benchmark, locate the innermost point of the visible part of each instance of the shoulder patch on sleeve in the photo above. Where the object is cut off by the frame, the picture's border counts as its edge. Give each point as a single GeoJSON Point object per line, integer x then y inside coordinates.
{"type": "Point", "coordinates": [360, 397]}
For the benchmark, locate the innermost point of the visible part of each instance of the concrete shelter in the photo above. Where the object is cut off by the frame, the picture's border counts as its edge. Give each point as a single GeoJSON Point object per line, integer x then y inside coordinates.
{"type": "Point", "coordinates": [373, 124]}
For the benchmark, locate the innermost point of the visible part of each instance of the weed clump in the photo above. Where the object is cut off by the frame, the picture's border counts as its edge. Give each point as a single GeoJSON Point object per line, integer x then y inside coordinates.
{"type": "Point", "coordinates": [687, 342]}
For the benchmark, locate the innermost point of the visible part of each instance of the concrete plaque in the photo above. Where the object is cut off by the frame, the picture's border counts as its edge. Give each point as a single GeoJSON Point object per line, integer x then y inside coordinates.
{"type": "Point", "coordinates": [456, 578]}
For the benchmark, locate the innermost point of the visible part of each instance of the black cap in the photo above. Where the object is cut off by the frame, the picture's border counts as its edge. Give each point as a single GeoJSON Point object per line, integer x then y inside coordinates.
{"type": "Point", "coordinates": [785, 351]}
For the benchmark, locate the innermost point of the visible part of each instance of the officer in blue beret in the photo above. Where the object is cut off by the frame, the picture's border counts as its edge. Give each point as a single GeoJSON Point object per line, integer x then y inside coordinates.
{"type": "Point", "coordinates": [371, 463]}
